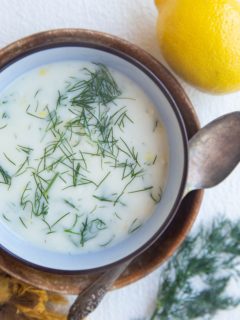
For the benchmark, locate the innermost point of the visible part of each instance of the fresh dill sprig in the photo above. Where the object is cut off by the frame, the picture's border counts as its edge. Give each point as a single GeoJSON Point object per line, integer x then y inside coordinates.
{"type": "Point", "coordinates": [99, 87]}
{"type": "Point", "coordinates": [210, 258]}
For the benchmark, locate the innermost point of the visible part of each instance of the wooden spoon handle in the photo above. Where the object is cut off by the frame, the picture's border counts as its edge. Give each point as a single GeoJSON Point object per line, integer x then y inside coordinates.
{"type": "Point", "coordinates": [88, 300]}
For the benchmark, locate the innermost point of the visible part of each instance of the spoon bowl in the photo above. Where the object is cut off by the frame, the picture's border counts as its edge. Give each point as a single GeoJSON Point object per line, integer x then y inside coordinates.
{"type": "Point", "coordinates": [214, 152]}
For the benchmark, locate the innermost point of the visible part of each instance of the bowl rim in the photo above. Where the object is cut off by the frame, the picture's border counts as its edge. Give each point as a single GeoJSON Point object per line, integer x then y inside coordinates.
{"type": "Point", "coordinates": [127, 51]}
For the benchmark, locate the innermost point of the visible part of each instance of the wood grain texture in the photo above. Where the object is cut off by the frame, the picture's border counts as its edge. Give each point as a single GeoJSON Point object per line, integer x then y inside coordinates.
{"type": "Point", "coordinates": [166, 245]}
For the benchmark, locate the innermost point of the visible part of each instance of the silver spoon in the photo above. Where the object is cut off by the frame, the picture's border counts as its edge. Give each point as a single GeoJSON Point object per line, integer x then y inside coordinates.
{"type": "Point", "coordinates": [214, 152]}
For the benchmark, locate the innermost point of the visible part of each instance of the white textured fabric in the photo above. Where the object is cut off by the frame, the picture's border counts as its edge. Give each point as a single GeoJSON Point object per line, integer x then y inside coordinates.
{"type": "Point", "coordinates": [133, 20]}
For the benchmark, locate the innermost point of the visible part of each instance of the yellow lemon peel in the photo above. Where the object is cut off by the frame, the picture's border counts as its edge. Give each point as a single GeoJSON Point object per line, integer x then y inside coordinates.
{"type": "Point", "coordinates": [200, 40]}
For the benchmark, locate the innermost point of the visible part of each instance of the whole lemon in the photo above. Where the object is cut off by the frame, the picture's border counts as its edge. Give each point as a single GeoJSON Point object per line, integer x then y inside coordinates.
{"type": "Point", "coordinates": [200, 40]}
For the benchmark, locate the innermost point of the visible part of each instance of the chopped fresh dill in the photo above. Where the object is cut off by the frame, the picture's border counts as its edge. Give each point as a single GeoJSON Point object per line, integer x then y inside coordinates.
{"type": "Point", "coordinates": [94, 209]}
{"type": "Point", "coordinates": [105, 177]}
{"type": "Point", "coordinates": [99, 87]}
{"type": "Point", "coordinates": [22, 167]}
{"type": "Point", "coordinates": [156, 198]}
{"type": "Point", "coordinates": [100, 224]}
{"type": "Point", "coordinates": [136, 224]}
{"type": "Point", "coordinates": [75, 174]}
{"type": "Point", "coordinates": [83, 159]}
{"type": "Point", "coordinates": [51, 182]}
{"type": "Point", "coordinates": [75, 221]}
{"type": "Point", "coordinates": [117, 215]}
{"type": "Point", "coordinates": [24, 197]}
{"type": "Point", "coordinates": [123, 117]}
{"type": "Point", "coordinates": [155, 125]}
{"type": "Point", "coordinates": [130, 152]}
{"type": "Point", "coordinates": [72, 232]}
{"type": "Point", "coordinates": [27, 150]}
{"type": "Point", "coordinates": [88, 230]}
{"type": "Point", "coordinates": [48, 225]}
{"type": "Point", "coordinates": [36, 93]}
{"type": "Point", "coordinates": [154, 160]}
{"type": "Point", "coordinates": [104, 199]}
{"type": "Point", "coordinates": [60, 99]}
{"type": "Point", "coordinates": [32, 114]}
{"type": "Point", "coordinates": [141, 190]}
{"type": "Point", "coordinates": [56, 222]}
{"type": "Point", "coordinates": [123, 190]}
{"type": "Point", "coordinates": [9, 159]}
{"type": "Point", "coordinates": [6, 179]}
{"type": "Point", "coordinates": [40, 203]}
{"type": "Point", "coordinates": [107, 243]}
{"type": "Point", "coordinates": [70, 204]}
{"type": "Point", "coordinates": [84, 233]}
{"type": "Point", "coordinates": [22, 222]}
{"type": "Point", "coordinates": [4, 216]}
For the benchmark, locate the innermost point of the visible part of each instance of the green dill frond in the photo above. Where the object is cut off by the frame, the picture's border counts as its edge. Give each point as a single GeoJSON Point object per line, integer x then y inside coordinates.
{"type": "Point", "coordinates": [99, 87]}
{"type": "Point", "coordinates": [210, 257]}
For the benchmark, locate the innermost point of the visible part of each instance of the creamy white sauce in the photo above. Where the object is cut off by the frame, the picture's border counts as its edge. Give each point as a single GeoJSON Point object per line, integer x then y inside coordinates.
{"type": "Point", "coordinates": [58, 189]}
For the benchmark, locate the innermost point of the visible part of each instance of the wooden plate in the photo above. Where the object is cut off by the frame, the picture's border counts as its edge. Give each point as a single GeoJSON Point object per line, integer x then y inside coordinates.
{"type": "Point", "coordinates": [181, 224]}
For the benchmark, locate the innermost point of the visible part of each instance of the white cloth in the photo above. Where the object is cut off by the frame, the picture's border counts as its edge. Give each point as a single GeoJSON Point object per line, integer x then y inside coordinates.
{"type": "Point", "coordinates": [134, 20]}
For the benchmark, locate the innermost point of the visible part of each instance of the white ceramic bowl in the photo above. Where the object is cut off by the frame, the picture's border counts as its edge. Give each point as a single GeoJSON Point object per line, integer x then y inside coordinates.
{"type": "Point", "coordinates": [112, 56]}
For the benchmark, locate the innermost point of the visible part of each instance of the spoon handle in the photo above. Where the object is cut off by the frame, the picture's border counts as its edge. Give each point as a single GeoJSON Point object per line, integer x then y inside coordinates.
{"type": "Point", "coordinates": [88, 300]}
